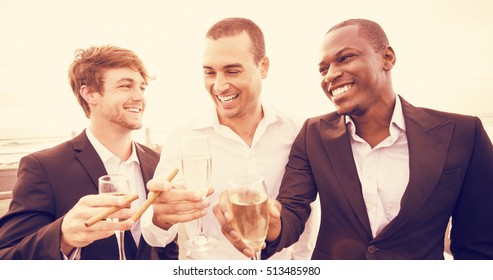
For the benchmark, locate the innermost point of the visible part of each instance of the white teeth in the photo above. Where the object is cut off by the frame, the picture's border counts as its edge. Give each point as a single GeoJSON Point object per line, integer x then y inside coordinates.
{"type": "Point", "coordinates": [339, 91]}
{"type": "Point", "coordinates": [133, 110]}
{"type": "Point", "coordinates": [227, 99]}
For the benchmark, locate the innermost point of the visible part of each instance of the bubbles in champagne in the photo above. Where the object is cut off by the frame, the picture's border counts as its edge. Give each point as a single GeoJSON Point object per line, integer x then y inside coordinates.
{"type": "Point", "coordinates": [251, 216]}
{"type": "Point", "coordinates": [196, 171]}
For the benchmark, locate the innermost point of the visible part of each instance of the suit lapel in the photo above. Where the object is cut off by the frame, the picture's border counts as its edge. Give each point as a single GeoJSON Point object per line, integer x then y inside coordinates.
{"type": "Point", "coordinates": [428, 142]}
{"type": "Point", "coordinates": [91, 162]}
{"type": "Point", "coordinates": [147, 171]}
{"type": "Point", "coordinates": [337, 145]}
{"type": "Point", "coordinates": [89, 158]}
{"type": "Point", "coordinates": [145, 165]}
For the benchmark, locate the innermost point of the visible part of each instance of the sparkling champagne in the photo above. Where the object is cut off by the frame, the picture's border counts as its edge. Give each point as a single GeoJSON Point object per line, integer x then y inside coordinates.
{"type": "Point", "coordinates": [115, 184]}
{"type": "Point", "coordinates": [196, 172]}
{"type": "Point", "coordinates": [251, 215]}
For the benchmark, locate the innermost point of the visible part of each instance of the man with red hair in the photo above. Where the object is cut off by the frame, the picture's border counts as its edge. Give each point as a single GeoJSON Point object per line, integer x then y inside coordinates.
{"type": "Point", "coordinates": [57, 188]}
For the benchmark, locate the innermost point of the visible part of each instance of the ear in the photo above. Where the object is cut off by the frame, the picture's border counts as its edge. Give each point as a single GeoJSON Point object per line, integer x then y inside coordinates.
{"type": "Point", "coordinates": [88, 95]}
{"type": "Point", "coordinates": [388, 58]}
{"type": "Point", "coordinates": [264, 67]}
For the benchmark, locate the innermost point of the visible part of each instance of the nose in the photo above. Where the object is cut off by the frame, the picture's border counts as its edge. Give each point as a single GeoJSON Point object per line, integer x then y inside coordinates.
{"type": "Point", "coordinates": [332, 74]}
{"type": "Point", "coordinates": [138, 94]}
{"type": "Point", "coordinates": [220, 84]}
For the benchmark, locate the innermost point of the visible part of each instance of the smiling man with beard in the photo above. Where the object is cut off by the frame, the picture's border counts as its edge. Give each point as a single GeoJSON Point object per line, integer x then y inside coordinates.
{"type": "Point", "coordinates": [57, 189]}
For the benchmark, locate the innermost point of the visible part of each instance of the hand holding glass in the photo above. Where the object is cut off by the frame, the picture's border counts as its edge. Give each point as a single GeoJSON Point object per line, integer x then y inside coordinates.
{"type": "Point", "coordinates": [116, 185]}
{"type": "Point", "coordinates": [249, 206]}
{"type": "Point", "coordinates": [196, 168]}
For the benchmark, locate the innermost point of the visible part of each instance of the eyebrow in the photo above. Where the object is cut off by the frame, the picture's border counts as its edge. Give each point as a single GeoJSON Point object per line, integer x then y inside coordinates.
{"type": "Point", "coordinates": [337, 54]}
{"type": "Point", "coordinates": [228, 66]}
{"type": "Point", "coordinates": [126, 80]}
{"type": "Point", "coordinates": [130, 80]}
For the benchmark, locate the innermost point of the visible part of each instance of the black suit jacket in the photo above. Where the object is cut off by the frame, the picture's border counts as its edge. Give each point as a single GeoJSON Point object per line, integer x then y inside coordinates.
{"type": "Point", "coordinates": [451, 174]}
{"type": "Point", "coordinates": [49, 184]}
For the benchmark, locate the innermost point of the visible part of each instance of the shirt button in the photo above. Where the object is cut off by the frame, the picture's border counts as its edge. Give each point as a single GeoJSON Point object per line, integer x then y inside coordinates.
{"type": "Point", "coordinates": [371, 249]}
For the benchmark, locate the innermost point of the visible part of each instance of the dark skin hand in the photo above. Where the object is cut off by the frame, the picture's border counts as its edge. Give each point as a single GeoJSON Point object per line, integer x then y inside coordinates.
{"type": "Point", "coordinates": [222, 211]}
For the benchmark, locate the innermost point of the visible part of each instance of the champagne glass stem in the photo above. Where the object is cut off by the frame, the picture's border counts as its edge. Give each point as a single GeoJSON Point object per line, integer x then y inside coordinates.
{"type": "Point", "coordinates": [201, 238]}
{"type": "Point", "coordinates": [121, 245]}
{"type": "Point", "coordinates": [196, 168]}
{"type": "Point", "coordinates": [201, 228]}
{"type": "Point", "coordinates": [117, 185]}
{"type": "Point", "coordinates": [257, 256]}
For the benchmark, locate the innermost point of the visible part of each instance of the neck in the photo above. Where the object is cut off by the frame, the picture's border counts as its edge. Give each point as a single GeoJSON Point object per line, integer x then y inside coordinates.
{"type": "Point", "coordinates": [246, 125]}
{"type": "Point", "coordinates": [115, 139]}
{"type": "Point", "coordinates": [373, 126]}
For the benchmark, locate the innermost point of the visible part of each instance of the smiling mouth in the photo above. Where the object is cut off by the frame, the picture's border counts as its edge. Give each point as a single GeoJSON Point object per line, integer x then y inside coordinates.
{"type": "Point", "coordinates": [340, 90]}
{"type": "Point", "coordinates": [228, 98]}
{"type": "Point", "coordinates": [133, 109]}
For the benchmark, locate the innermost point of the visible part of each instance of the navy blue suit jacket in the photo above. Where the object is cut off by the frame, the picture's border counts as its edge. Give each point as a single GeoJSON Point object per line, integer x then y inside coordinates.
{"type": "Point", "coordinates": [49, 184]}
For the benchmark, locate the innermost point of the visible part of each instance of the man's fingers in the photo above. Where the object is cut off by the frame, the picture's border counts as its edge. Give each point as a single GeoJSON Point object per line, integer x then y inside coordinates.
{"type": "Point", "coordinates": [223, 215]}
{"type": "Point", "coordinates": [210, 191]}
{"type": "Point", "coordinates": [180, 206]}
{"type": "Point", "coordinates": [222, 209]}
{"type": "Point", "coordinates": [230, 232]}
{"type": "Point", "coordinates": [98, 200]}
{"type": "Point", "coordinates": [274, 221]}
{"type": "Point", "coordinates": [185, 217]}
{"type": "Point", "coordinates": [248, 252]}
{"type": "Point", "coordinates": [111, 226]}
{"type": "Point", "coordinates": [174, 192]}
{"type": "Point", "coordinates": [176, 195]}
{"type": "Point", "coordinates": [158, 185]}
{"type": "Point", "coordinates": [275, 208]}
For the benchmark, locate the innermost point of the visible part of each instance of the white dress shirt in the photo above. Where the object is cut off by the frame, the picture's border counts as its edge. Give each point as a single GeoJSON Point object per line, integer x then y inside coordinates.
{"type": "Point", "coordinates": [232, 157]}
{"type": "Point", "coordinates": [383, 171]}
{"type": "Point", "coordinates": [129, 168]}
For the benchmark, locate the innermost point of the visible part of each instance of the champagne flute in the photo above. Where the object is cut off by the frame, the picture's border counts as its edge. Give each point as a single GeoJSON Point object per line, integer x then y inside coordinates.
{"type": "Point", "coordinates": [116, 185]}
{"type": "Point", "coordinates": [249, 206]}
{"type": "Point", "coordinates": [196, 168]}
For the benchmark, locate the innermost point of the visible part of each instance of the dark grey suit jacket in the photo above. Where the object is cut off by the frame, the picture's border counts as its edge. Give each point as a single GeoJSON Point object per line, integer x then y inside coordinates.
{"type": "Point", "coordinates": [451, 174]}
{"type": "Point", "coordinates": [49, 184]}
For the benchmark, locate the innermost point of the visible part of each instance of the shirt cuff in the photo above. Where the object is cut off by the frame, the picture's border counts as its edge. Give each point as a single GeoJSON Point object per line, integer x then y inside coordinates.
{"type": "Point", "coordinates": [74, 254]}
{"type": "Point", "coordinates": [154, 235]}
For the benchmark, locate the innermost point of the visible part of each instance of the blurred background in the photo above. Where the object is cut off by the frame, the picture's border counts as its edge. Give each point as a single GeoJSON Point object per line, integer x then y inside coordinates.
{"type": "Point", "coordinates": [444, 58]}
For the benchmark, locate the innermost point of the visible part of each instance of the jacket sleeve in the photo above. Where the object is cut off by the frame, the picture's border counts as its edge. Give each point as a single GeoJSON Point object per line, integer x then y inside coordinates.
{"type": "Point", "coordinates": [472, 221]}
{"type": "Point", "coordinates": [30, 230]}
{"type": "Point", "coordinates": [303, 249]}
{"type": "Point", "coordinates": [296, 193]}
{"type": "Point", "coordinates": [170, 252]}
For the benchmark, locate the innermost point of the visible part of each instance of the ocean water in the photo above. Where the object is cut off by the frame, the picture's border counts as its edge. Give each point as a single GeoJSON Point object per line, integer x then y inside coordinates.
{"type": "Point", "coordinates": [16, 143]}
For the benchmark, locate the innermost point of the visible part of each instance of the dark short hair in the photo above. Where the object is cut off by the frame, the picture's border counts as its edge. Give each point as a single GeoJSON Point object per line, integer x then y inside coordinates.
{"type": "Point", "coordinates": [89, 66]}
{"type": "Point", "coordinates": [233, 26]}
{"type": "Point", "coordinates": [368, 30]}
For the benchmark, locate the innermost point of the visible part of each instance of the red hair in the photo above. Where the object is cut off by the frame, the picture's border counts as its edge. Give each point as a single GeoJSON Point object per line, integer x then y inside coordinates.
{"type": "Point", "coordinates": [89, 66]}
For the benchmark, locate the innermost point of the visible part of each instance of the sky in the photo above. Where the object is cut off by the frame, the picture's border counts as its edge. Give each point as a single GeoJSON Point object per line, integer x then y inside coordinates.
{"type": "Point", "coordinates": [443, 49]}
